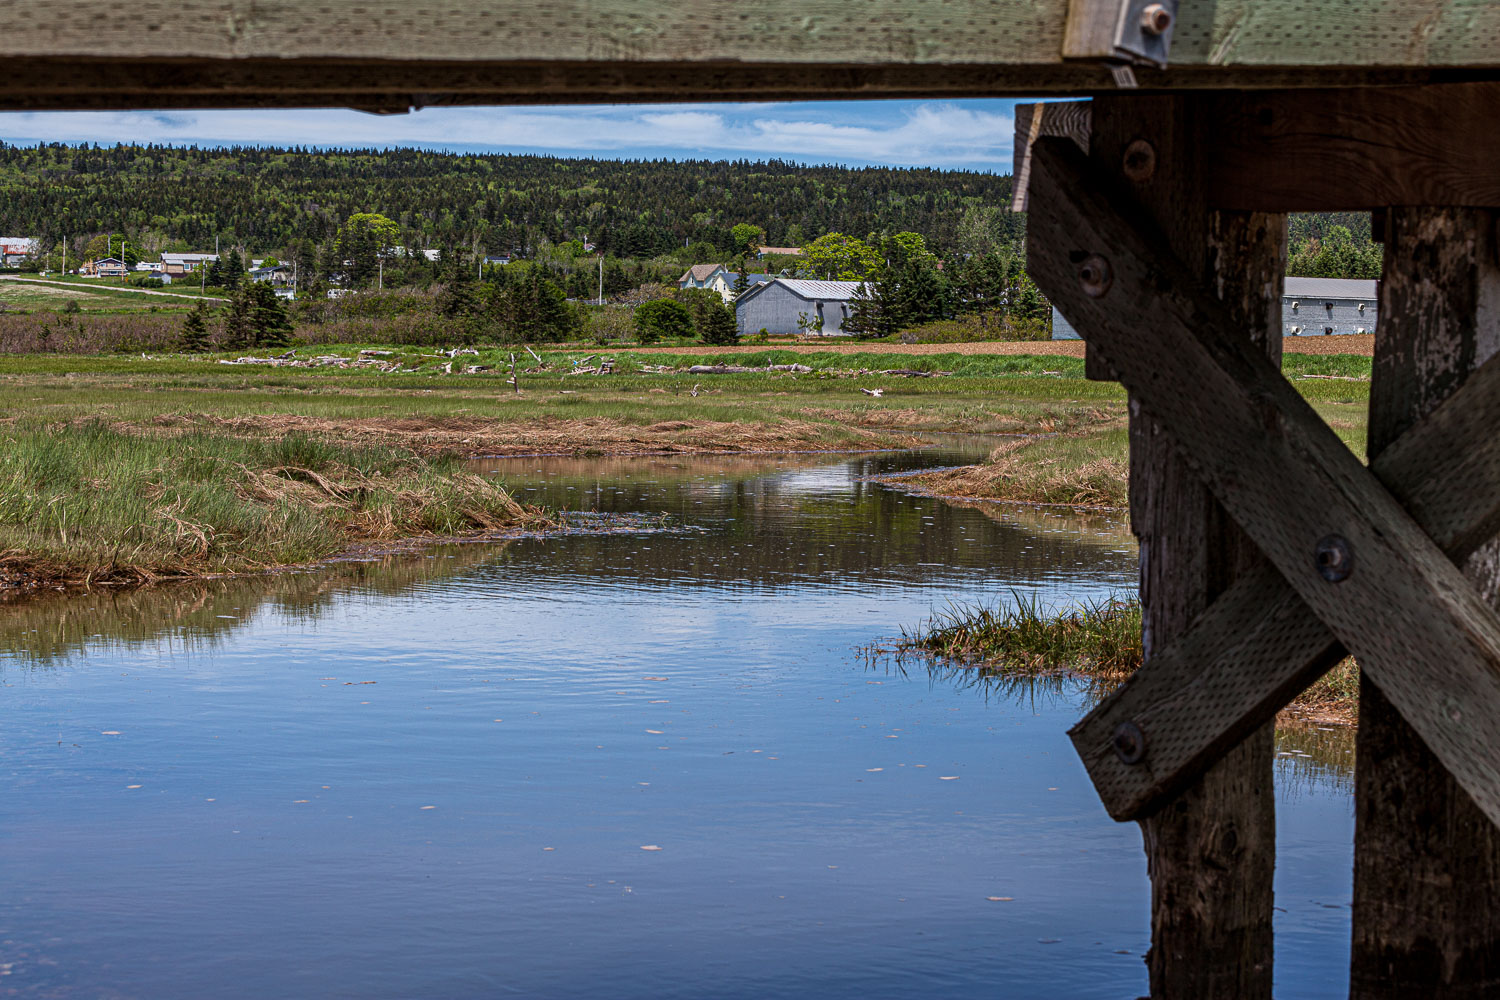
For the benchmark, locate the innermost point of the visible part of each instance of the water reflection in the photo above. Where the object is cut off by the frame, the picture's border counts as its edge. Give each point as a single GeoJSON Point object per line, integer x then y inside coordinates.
{"type": "Point", "coordinates": [196, 616]}
{"type": "Point", "coordinates": [434, 774]}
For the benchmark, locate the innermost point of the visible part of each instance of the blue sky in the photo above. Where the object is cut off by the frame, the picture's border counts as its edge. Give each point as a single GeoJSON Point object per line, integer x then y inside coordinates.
{"type": "Point", "coordinates": [967, 135]}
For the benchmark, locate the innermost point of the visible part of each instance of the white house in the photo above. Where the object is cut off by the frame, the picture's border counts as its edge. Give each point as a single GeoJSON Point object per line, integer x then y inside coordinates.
{"type": "Point", "coordinates": [701, 276]}
{"type": "Point", "coordinates": [718, 278]}
{"type": "Point", "coordinates": [795, 305]}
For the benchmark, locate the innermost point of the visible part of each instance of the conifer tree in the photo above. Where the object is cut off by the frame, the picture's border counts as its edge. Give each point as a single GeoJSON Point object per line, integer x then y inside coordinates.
{"type": "Point", "coordinates": [721, 326]}
{"type": "Point", "coordinates": [741, 280]}
{"type": "Point", "coordinates": [239, 322]}
{"type": "Point", "coordinates": [194, 336]}
{"type": "Point", "coordinates": [268, 318]}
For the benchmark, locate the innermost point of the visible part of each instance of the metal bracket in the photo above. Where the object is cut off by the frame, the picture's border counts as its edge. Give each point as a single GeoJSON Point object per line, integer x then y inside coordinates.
{"type": "Point", "coordinates": [1121, 32]}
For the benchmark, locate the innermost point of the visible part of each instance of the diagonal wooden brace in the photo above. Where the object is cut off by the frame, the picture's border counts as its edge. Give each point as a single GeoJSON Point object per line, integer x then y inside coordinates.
{"type": "Point", "coordinates": [1341, 542]}
{"type": "Point", "coordinates": [1259, 645]}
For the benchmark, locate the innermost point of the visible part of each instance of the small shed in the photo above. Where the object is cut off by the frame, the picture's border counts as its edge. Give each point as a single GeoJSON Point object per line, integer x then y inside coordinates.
{"type": "Point", "coordinates": [794, 305]}
{"type": "Point", "coordinates": [1317, 306]}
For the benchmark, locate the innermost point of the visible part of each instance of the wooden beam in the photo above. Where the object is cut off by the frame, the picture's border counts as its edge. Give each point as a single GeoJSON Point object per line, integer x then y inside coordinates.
{"type": "Point", "coordinates": [240, 53]}
{"type": "Point", "coordinates": [1426, 860]}
{"type": "Point", "coordinates": [1404, 610]}
{"type": "Point", "coordinates": [1066, 118]}
{"type": "Point", "coordinates": [1258, 646]}
{"type": "Point", "coordinates": [1211, 857]}
{"type": "Point", "coordinates": [1357, 149]}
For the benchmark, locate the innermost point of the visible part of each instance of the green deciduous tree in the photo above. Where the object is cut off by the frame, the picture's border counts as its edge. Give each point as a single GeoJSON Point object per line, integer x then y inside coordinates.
{"type": "Point", "coordinates": [837, 257]}
{"type": "Point", "coordinates": [363, 240]}
{"type": "Point", "coordinates": [662, 318]}
{"type": "Point", "coordinates": [748, 238]}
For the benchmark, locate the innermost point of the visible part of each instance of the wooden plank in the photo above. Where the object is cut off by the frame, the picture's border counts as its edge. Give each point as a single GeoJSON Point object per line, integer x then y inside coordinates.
{"type": "Point", "coordinates": [1279, 33]}
{"type": "Point", "coordinates": [1426, 860]}
{"type": "Point", "coordinates": [241, 53]}
{"type": "Point", "coordinates": [1258, 646]}
{"type": "Point", "coordinates": [1327, 151]}
{"type": "Point", "coordinates": [1405, 611]}
{"type": "Point", "coordinates": [1065, 118]}
{"type": "Point", "coordinates": [1212, 856]}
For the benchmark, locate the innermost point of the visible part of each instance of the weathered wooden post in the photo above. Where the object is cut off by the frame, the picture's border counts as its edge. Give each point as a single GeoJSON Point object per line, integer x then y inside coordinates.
{"type": "Point", "coordinates": [1211, 851]}
{"type": "Point", "coordinates": [1426, 859]}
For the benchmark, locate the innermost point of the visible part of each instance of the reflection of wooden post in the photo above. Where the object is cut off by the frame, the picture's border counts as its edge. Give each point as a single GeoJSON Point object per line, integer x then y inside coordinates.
{"type": "Point", "coordinates": [1426, 860]}
{"type": "Point", "coordinates": [1211, 851]}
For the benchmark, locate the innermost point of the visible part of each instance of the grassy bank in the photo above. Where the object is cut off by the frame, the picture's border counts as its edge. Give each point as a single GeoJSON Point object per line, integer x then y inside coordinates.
{"type": "Point", "coordinates": [86, 503]}
{"type": "Point", "coordinates": [1100, 642]}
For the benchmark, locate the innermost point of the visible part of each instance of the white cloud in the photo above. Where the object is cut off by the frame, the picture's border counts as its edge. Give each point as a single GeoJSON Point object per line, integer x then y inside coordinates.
{"type": "Point", "coordinates": [879, 132]}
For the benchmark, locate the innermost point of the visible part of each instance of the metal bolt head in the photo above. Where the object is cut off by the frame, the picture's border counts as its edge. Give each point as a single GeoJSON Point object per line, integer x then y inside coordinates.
{"type": "Point", "coordinates": [1095, 275]}
{"type": "Point", "coordinates": [1334, 558]}
{"type": "Point", "coordinates": [1156, 19]}
{"type": "Point", "coordinates": [1140, 160]}
{"type": "Point", "coordinates": [1129, 743]}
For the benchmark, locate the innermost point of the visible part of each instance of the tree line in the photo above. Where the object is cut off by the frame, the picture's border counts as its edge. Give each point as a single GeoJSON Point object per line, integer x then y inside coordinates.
{"type": "Point", "coordinates": [265, 198]}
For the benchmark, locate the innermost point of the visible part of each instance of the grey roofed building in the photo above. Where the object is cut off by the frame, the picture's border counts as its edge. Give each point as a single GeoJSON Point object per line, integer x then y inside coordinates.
{"type": "Point", "coordinates": [1309, 307]}
{"type": "Point", "coordinates": [795, 305]}
{"type": "Point", "coordinates": [1318, 306]}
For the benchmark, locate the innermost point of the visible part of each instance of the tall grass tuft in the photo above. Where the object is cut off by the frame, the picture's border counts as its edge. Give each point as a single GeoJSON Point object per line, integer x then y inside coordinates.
{"type": "Point", "coordinates": [1099, 641]}
{"type": "Point", "coordinates": [1101, 638]}
{"type": "Point", "coordinates": [90, 503]}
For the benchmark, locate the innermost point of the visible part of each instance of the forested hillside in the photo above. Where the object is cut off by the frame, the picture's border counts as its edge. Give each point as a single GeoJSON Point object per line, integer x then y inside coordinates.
{"type": "Point", "coordinates": [265, 198]}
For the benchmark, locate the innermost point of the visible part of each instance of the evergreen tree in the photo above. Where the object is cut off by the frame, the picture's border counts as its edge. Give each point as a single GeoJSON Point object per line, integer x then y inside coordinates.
{"type": "Point", "coordinates": [720, 327]}
{"type": "Point", "coordinates": [239, 322]}
{"type": "Point", "coordinates": [872, 311]}
{"type": "Point", "coordinates": [269, 323]}
{"type": "Point", "coordinates": [457, 300]}
{"type": "Point", "coordinates": [194, 336]}
{"type": "Point", "coordinates": [741, 280]}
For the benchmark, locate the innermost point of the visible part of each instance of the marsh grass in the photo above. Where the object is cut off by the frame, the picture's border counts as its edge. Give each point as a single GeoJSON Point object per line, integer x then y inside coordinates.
{"type": "Point", "coordinates": [1088, 468]}
{"type": "Point", "coordinates": [88, 503]}
{"type": "Point", "coordinates": [1100, 639]}
{"type": "Point", "coordinates": [1099, 642]}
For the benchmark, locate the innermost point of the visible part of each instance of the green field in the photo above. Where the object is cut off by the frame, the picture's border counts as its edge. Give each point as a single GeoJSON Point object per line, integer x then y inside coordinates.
{"type": "Point", "coordinates": [148, 459]}
{"type": "Point", "coordinates": [90, 295]}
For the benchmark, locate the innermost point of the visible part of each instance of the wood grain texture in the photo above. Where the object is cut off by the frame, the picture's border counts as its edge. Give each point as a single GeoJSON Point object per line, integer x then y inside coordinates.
{"type": "Point", "coordinates": [1211, 853]}
{"type": "Point", "coordinates": [1243, 33]}
{"type": "Point", "coordinates": [1427, 860]}
{"type": "Point", "coordinates": [1407, 613]}
{"type": "Point", "coordinates": [226, 53]}
{"type": "Point", "coordinates": [1434, 145]}
{"type": "Point", "coordinates": [1066, 118]}
{"type": "Point", "coordinates": [1258, 646]}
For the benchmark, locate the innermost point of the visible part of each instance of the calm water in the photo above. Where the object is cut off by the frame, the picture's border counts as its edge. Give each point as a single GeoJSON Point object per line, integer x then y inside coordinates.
{"type": "Point", "coordinates": [434, 776]}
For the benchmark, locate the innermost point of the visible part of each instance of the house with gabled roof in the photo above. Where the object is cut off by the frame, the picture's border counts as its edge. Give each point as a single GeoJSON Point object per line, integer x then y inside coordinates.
{"type": "Point", "coordinates": [701, 275]}
{"type": "Point", "coordinates": [796, 305]}
{"type": "Point", "coordinates": [109, 267]}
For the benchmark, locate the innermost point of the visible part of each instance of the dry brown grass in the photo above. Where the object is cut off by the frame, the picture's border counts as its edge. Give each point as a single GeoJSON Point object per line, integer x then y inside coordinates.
{"type": "Point", "coordinates": [1089, 469]}
{"type": "Point", "coordinates": [540, 435]}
